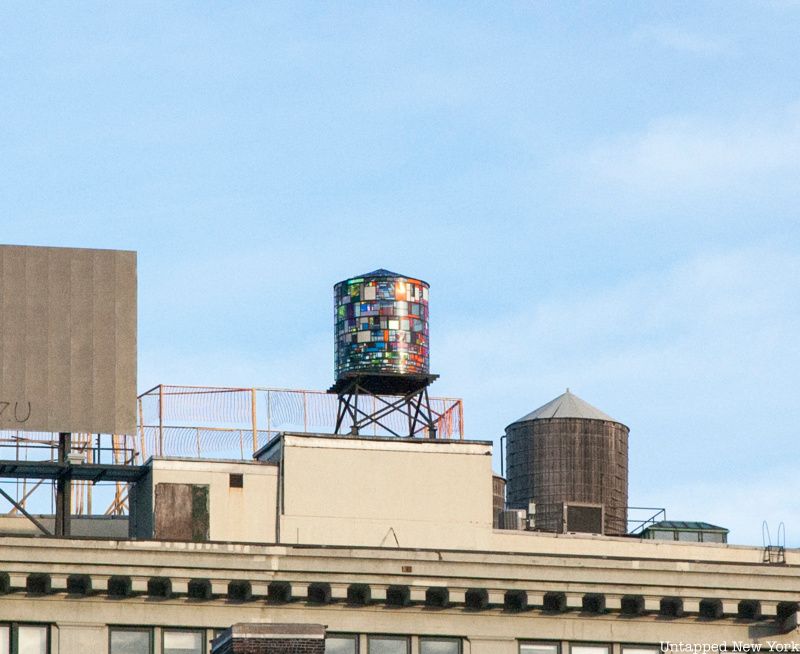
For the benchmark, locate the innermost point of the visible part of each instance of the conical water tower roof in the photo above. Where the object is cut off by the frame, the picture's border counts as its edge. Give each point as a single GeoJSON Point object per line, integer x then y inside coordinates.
{"type": "Point", "coordinates": [381, 272]}
{"type": "Point", "coordinates": [567, 405]}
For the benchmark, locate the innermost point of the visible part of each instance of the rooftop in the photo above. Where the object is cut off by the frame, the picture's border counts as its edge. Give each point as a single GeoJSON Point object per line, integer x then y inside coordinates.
{"type": "Point", "coordinates": [690, 526]}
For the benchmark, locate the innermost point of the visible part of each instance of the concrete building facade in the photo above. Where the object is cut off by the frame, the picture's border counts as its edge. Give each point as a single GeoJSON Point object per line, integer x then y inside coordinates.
{"type": "Point", "coordinates": [389, 545]}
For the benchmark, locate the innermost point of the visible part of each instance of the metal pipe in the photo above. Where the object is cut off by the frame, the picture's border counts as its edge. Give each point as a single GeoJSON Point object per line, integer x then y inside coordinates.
{"type": "Point", "coordinates": [253, 417]}
{"type": "Point", "coordinates": [63, 486]}
{"type": "Point", "coordinates": [161, 420]}
{"type": "Point", "coordinates": [25, 513]}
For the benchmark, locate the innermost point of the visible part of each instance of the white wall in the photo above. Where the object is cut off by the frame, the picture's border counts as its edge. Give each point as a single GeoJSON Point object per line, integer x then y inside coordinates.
{"type": "Point", "coordinates": [368, 492]}
{"type": "Point", "coordinates": [246, 514]}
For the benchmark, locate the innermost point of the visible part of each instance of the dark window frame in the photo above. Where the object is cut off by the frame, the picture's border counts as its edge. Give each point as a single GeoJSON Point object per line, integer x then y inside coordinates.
{"type": "Point", "coordinates": [442, 639]}
{"type": "Point", "coordinates": [346, 634]}
{"type": "Point", "coordinates": [150, 630]}
{"type": "Point", "coordinates": [406, 639]}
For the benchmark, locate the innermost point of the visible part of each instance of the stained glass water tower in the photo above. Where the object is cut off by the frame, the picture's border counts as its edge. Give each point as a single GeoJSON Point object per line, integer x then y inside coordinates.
{"type": "Point", "coordinates": [381, 321]}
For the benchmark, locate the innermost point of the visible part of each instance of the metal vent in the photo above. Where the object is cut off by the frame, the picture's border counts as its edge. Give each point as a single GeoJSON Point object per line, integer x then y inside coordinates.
{"type": "Point", "coordinates": [584, 518]}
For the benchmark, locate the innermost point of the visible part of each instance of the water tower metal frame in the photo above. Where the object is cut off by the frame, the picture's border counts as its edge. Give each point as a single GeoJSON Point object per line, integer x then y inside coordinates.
{"type": "Point", "coordinates": [407, 394]}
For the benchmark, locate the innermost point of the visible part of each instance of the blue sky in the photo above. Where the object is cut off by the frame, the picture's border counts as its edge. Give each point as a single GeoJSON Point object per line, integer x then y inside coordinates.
{"type": "Point", "coordinates": [601, 196]}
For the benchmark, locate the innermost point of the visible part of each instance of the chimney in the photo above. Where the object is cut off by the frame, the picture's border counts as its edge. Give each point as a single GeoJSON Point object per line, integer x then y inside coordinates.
{"type": "Point", "coordinates": [270, 638]}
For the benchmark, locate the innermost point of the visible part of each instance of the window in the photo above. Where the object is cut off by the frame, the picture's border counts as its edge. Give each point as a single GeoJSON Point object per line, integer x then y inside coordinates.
{"type": "Point", "coordinates": [183, 642]}
{"type": "Point", "coordinates": [439, 646]}
{"type": "Point", "coordinates": [340, 644]}
{"type": "Point", "coordinates": [538, 648]}
{"type": "Point", "coordinates": [31, 639]}
{"type": "Point", "coordinates": [713, 537]}
{"type": "Point", "coordinates": [660, 534]}
{"type": "Point", "coordinates": [589, 649]}
{"type": "Point", "coordinates": [24, 639]}
{"type": "Point", "coordinates": [388, 645]}
{"type": "Point", "coordinates": [130, 641]}
{"type": "Point", "coordinates": [640, 649]}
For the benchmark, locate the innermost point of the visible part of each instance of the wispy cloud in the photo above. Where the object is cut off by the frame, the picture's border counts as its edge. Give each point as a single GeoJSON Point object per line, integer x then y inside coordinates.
{"type": "Point", "coordinates": [682, 40]}
{"type": "Point", "coordinates": [696, 359]}
{"type": "Point", "coordinates": [697, 153]}
{"type": "Point", "coordinates": [783, 4]}
{"type": "Point", "coordinates": [712, 298]}
{"type": "Point", "coordinates": [758, 496]}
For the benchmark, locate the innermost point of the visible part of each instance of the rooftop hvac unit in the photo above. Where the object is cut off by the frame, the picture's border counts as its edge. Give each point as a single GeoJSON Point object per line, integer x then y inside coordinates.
{"type": "Point", "coordinates": [583, 518]}
{"type": "Point", "coordinates": [512, 519]}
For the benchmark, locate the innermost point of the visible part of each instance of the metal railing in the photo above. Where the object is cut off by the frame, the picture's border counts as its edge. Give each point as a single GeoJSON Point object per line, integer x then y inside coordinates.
{"type": "Point", "coordinates": [166, 412]}
{"type": "Point", "coordinates": [196, 422]}
{"type": "Point", "coordinates": [637, 525]}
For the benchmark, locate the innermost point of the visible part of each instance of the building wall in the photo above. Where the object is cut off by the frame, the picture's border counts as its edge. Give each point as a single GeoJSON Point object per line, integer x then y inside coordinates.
{"type": "Point", "coordinates": [378, 493]}
{"type": "Point", "coordinates": [81, 623]}
{"type": "Point", "coordinates": [246, 514]}
{"type": "Point", "coordinates": [383, 528]}
{"type": "Point", "coordinates": [140, 507]}
{"type": "Point", "coordinates": [96, 526]}
{"type": "Point", "coordinates": [369, 492]}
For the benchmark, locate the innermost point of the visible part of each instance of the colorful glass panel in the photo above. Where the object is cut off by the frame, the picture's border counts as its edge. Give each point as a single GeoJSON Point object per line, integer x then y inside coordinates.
{"type": "Point", "coordinates": [381, 324]}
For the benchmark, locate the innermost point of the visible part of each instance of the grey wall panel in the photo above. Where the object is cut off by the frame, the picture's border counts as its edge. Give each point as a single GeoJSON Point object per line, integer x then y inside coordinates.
{"type": "Point", "coordinates": [67, 339]}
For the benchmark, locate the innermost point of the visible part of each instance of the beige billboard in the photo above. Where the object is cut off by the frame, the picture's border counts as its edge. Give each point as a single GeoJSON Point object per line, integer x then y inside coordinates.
{"type": "Point", "coordinates": [67, 340]}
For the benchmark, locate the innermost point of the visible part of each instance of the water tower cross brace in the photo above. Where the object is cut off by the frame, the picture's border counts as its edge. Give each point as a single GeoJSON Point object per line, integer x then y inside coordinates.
{"type": "Point", "coordinates": [388, 394]}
